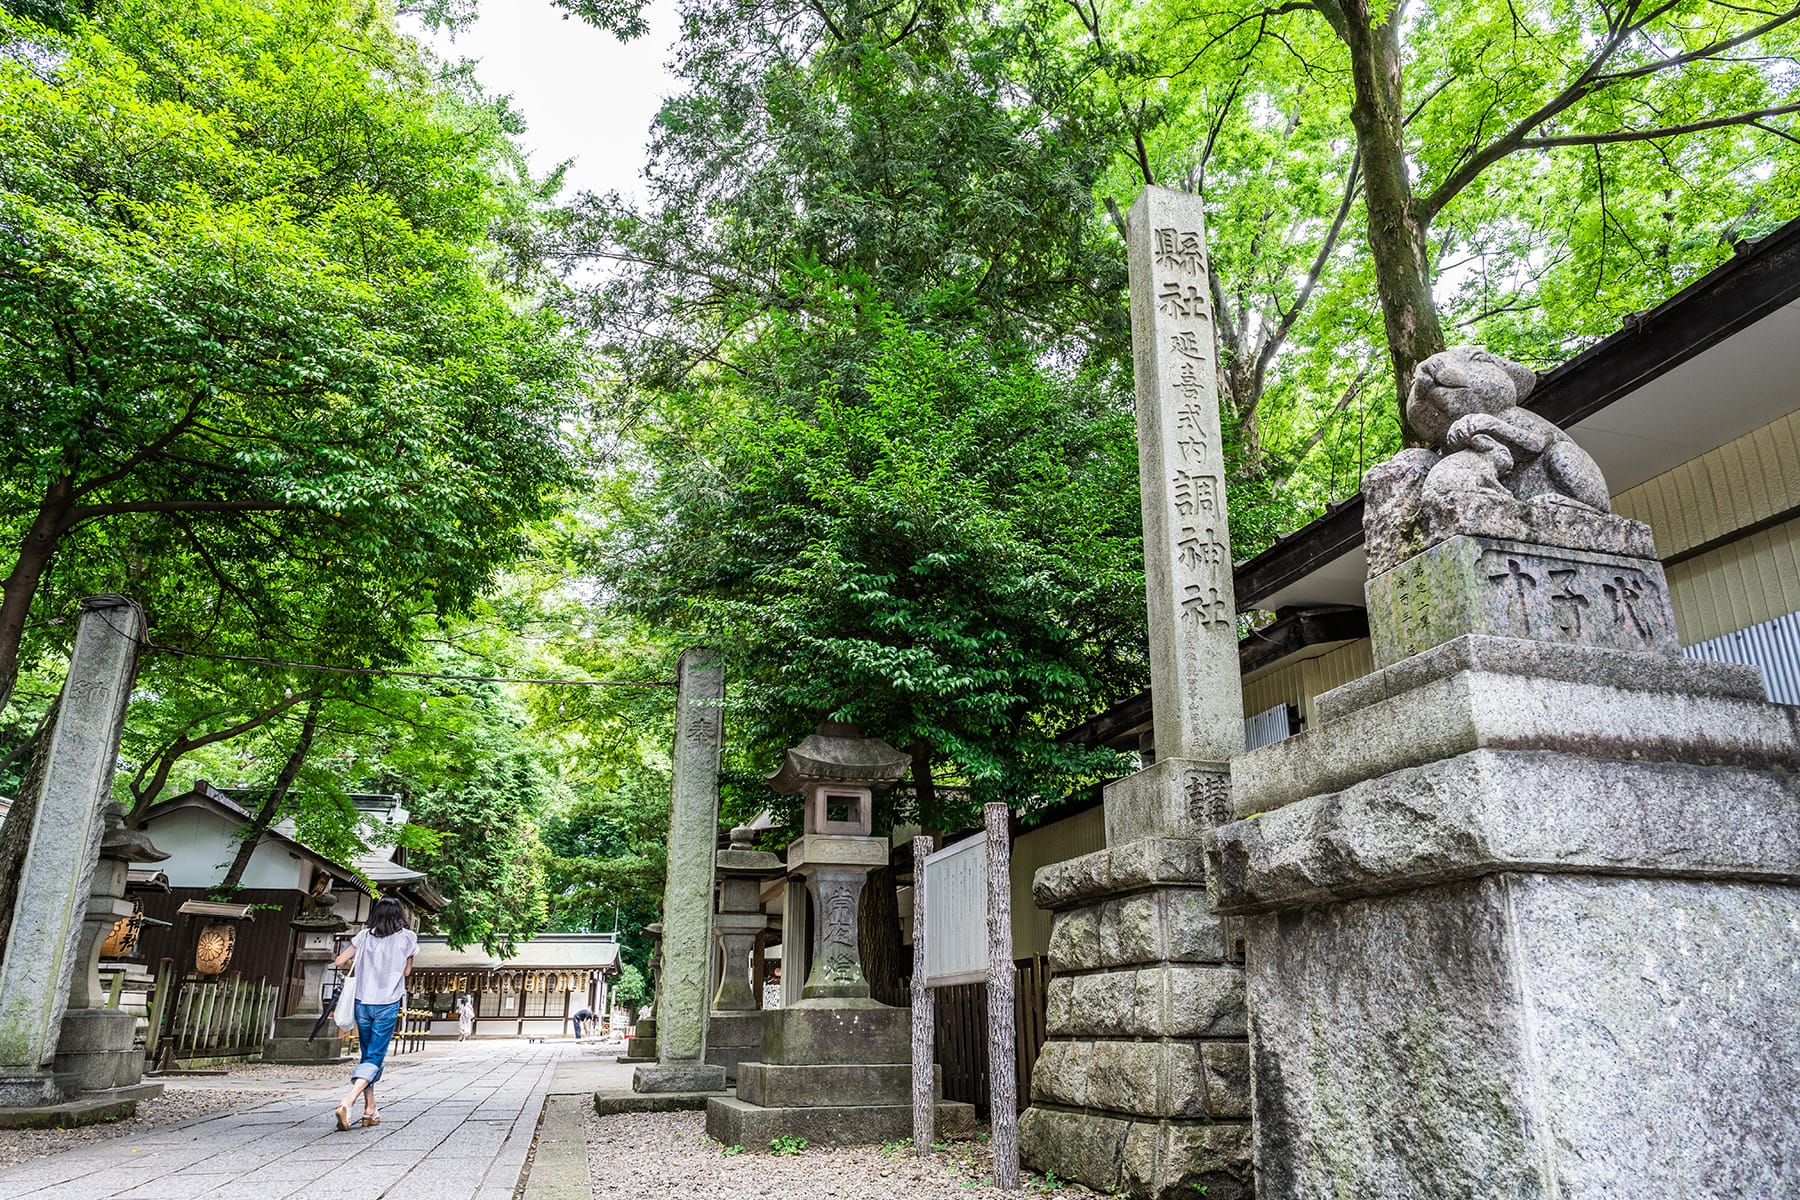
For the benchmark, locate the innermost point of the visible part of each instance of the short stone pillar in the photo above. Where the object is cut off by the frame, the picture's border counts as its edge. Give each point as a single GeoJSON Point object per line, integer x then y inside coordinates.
{"type": "Point", "coordinates": [684, 991]}
{"type": "Point", "coordinates": [836, 1068]}
{"type": "Point", "coordinates": [640, 1047]}
{"type": "Point", "coordinates": [1520, 908]}
{"type": "Point", "coordinates": [736, 1032]}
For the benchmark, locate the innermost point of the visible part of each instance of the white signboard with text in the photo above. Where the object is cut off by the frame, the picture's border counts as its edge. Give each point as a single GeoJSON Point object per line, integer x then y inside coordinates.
{"type": "Point", "coordinates": [956, 894]}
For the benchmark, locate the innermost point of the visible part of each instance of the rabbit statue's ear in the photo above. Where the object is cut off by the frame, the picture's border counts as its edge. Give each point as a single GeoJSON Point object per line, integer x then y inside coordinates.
{"type": "Point", "coordinates": [1523, 377]}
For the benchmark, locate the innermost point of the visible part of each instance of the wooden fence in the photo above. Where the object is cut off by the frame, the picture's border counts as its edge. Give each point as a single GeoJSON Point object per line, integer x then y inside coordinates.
{"type": "Point", "coordinates": [962, 1033]}
{"type": "Point", "coordinates": [213, 1018]}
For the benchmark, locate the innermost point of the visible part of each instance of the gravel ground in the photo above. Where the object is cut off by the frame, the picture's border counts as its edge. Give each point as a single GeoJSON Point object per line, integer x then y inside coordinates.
{"type": "Point", "coordinates": [660, 1156]}
{"type": "Point", "coordinates": [170, 1108]}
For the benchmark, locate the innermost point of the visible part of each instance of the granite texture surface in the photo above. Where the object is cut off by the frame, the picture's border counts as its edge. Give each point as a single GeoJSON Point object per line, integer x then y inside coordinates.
{"type": "Point", "coordinates": [1530, 1035]}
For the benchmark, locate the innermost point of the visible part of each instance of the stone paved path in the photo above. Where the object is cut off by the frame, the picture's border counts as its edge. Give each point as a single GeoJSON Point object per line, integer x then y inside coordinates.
{"type": "Point", "coordinates": [455, 1125]}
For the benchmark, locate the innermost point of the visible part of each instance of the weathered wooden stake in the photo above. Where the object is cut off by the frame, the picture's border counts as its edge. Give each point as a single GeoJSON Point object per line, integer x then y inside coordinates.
{"type": "Point", "coordinates": [1003, 1077]}
{"type": "Point", "coordinates": [924, 1016]}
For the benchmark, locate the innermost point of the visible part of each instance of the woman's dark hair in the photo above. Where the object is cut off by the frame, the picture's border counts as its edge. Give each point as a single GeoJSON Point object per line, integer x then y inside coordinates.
{"type": "Point", "coordinates": [387, 919]}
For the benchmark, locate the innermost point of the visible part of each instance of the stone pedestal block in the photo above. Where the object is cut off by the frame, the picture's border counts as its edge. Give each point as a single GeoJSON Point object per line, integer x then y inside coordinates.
{"type": "Point", "coordinates": [1468, 584]}
{"type": "Point", "coordinates": [1551, 955]}
{"type": "Point", "coordinates": [734, 1038]}
{"type": "Point", "coordinates": [641, 1045]}
{"type": "Point", "coordinates": [97, 1049]}
{"type": "Point", "coordinates": [1143, 1081]}
{"type": "Point", "coordinates": [836, 1073]}
{"type": "Point", "coordinates": [290, 1044]}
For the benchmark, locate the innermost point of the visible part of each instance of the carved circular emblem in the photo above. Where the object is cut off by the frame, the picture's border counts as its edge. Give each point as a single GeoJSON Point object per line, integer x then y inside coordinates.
{"type": "Point", "coordinates": [213, 952]}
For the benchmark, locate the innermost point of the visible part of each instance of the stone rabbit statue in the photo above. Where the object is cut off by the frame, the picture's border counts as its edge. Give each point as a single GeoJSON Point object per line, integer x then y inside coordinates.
{"type": "Point", "coordinates": [1465, 403]}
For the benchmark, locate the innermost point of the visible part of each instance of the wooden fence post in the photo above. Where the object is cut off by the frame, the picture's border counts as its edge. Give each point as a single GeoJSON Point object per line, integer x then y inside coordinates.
{"type": "Point", "coordinates": [924, 1015]}
{"type": "Point", "coordinates": [1003, 1085]}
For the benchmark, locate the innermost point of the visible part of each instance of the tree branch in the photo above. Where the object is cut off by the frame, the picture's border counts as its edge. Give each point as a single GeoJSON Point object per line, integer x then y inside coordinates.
{"type": "Point", "coordinates": [1646, 135]}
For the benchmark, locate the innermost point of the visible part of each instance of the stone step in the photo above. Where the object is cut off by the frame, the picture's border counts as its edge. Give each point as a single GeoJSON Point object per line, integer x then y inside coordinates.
{"type": "Point", "coordinates": [298, 1050]}
{"type": "Point", "coordinates": [735, 1122]}
{"type": "Point", "coordinates": [773, 1085]}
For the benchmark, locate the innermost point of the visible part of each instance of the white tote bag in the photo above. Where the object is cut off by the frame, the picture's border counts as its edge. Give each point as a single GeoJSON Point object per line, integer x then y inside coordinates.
{"type": "Point", "coordinates": [345, 1012]}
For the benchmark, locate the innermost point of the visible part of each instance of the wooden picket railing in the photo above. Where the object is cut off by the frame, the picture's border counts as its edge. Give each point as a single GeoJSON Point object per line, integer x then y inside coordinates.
{"type": "Point", "coordinates": [225, 1017]}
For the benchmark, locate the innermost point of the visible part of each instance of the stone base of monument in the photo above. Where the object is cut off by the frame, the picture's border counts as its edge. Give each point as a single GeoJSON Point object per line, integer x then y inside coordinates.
{"type": "Point", "coordinates": [612, 1103]}
{"type": "Point", "coordinates": [678, 1077]}
{"type": "Point", "coordinates": [96, 1052]}
{"type": "Point", "coordinates": [1143, 1083]}
{"type": "Point", "coordinates": [733, 1038]}
{"type": "Point", "coordinates": [1521, 916]}
{"type": "Point", "coordinates": [640, 1047]}
{"type": "Point", "coordinates": [835, 1072]}
{"type": "Point", "coordinates": [86, 1108]}
{"type": "Point", "coordinates": [290, 1044]}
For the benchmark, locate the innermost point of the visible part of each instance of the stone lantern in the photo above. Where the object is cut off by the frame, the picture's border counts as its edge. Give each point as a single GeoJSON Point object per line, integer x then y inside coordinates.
{"type": "Point", "coordinates": [836, 772]}
{"type": "Point", "coordinates": [640, 1047]}
{"type": "Point", "coordinates": [300, 1036]}
{"type": "Point", "coordinates": [836, 1068]}
{"type": "Point", "coordinates": [735, 1025]}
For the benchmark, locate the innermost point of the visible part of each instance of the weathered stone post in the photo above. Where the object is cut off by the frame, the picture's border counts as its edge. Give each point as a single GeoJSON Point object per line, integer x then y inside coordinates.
{"type": "Point", "coordinates": [683, 995]}
{"type": "Point", "coordinates": [641, 1045]}
{"type": "Point", "coordinates": [1142, 1084]}
{"type": "Point", "coordinates": [48, 940]}
{"type": "Point", "coordinates": [736, 1033]}
{"type": "Point", "coordinates": [1520, 908]}
{"type": "Point", "coordinates": [837, 1066]}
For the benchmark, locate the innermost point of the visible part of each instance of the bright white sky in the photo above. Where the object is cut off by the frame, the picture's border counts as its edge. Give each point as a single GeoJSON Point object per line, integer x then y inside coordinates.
{"type": "Point", "coordinates": [584, 95]}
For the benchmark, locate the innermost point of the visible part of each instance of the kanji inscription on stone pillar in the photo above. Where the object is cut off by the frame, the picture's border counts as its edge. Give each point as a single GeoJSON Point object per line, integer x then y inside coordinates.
{"type": "Point", "coordinates": [1181, 468]}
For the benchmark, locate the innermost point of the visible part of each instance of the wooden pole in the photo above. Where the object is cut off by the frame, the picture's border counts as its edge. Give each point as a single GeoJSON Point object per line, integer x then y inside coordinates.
{"type": "Point", "coordinates": [924, 1015]}
{"type": "Point", "coordinates": [1003, 1085]}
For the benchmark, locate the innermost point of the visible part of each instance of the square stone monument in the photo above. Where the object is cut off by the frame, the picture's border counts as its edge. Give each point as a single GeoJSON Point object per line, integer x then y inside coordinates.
{"type": "Point", "coordinates": [1521, 907]}
{"type": "Point", "coordinates": [836, 1068]}
{"type": "Point", "coordinates": [66, 1058]}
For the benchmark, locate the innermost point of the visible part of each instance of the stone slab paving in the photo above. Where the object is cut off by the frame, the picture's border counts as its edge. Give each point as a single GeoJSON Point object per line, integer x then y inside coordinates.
{"type": "Point", "coordinates": [455, 1125]}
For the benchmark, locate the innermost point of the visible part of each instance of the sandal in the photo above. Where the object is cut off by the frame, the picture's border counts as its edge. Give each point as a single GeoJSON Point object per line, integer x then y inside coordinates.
{"type": "Point", "coordinates": [343, 1119]}
{"type": "Point", "coordinates": [371, 1122]}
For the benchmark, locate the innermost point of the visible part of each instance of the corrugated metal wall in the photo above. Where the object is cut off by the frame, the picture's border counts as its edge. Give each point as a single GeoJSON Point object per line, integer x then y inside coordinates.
{"type": "Point", "coordinates": [1083, 833]}
{"type": "Point", "coordinates": [1772, 645]}
{"type": "Point", "coordinates": [1748, 480]}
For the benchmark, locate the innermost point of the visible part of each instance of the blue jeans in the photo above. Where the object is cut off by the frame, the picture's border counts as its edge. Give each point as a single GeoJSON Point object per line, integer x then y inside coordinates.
{"type": "Point", "coordinates": [374, 1030]}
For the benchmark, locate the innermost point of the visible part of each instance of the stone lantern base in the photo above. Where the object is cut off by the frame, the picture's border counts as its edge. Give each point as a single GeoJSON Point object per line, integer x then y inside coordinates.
{"type": "Point", "coordinates": [835, 1072]}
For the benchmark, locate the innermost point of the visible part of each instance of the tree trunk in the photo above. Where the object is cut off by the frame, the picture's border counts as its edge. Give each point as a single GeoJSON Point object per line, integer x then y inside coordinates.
{"type": "Point", "coordinates": [1397, 230]}
{"type": "Point", "coordinates": [924, 790]}
{"type": "Point", "coordinates": [271, 806]}
{"type": "Point", "coordinates": [20, 587]}
{"type": "Point", "coordinates": [878, 933]}
{"type": "Point", "coordinates": [15, 834]}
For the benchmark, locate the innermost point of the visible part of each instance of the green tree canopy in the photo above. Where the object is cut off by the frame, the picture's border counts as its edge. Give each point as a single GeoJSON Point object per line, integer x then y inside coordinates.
{"type": "Point", "coordinates": [262, 359]}
{"type": "Point", "coordinates": [939, 542]}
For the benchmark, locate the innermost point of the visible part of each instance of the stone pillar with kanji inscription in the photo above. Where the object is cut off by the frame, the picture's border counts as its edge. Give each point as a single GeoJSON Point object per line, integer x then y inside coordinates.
{"type": "Point", "coordinates": [1142, 1084]}
{"type": "Point", "coordinates": [1520, 906]}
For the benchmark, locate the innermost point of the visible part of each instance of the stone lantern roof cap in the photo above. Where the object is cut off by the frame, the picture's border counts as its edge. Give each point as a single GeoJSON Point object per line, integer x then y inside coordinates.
{"type": "Point", "coordinates": [839, 753]}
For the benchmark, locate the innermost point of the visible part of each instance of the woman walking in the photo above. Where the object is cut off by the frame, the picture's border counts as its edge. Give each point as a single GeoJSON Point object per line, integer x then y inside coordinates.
{"type": "Point", "coordinates": [465, 1017]}
{"type": "Point", "coordinates": [383, 954]}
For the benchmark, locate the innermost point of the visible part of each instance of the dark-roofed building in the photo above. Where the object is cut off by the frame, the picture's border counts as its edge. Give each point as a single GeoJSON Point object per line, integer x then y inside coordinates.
{"type": "Point", "coordinates": [200, 830]}
{"type": "Point", "coordinates": [529, 993]}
